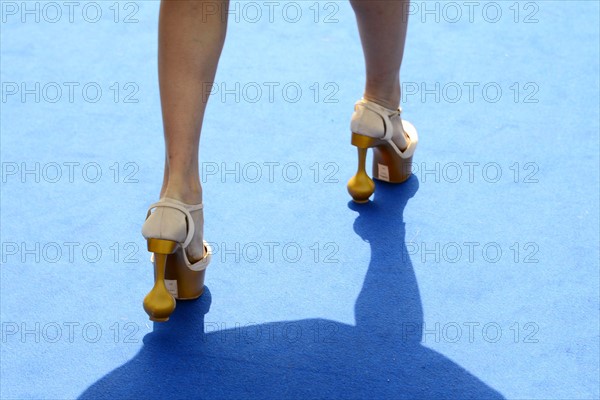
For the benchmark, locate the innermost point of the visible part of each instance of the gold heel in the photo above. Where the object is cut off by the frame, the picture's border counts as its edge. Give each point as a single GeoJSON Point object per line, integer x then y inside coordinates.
{"type": "Point", "coordinates": [360, 186]}
{"type": "Point", "coordinates": [159, 303]}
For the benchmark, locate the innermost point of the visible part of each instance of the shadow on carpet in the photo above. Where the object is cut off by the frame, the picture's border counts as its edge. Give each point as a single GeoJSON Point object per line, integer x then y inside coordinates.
{"type": "Point", "coordinates": [380, 357]}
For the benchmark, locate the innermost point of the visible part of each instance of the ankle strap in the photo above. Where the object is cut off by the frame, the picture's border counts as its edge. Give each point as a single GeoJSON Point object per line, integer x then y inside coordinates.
{"type": "Point", "coordinates": [184, 208]}
{"type": "Point", "coordinates": [384, 113]}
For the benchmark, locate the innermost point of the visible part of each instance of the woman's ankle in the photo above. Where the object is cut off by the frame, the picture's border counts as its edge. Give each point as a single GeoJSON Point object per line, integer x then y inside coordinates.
{"type": "Point", "coordinates": [187, 192]}
{"type": "Point", "coordinates": [385, 92]}
{"type": "Point", "coordinates": [388, 101]}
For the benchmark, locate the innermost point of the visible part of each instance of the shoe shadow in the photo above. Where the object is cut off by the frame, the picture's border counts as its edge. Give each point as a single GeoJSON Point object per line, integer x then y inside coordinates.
{"type": "Point", "coordinates": [380, 357]}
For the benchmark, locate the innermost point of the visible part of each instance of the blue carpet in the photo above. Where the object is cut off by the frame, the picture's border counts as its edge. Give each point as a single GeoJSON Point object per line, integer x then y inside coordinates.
{"type": "Point", "coordinates": [477, 278]}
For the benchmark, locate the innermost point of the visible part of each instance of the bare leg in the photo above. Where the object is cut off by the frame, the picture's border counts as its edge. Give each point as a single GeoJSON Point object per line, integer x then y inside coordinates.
{"type": "Point", "coordinates": [191, 38]}
{"type": "Point", "coordinates": [382, 27]}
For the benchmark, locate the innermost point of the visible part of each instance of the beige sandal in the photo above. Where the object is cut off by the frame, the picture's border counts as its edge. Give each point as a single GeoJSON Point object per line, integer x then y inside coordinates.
{"type": "Point", "coordinates": [376, 126]}
{"type": "Point", "coordinates": [169, 230]}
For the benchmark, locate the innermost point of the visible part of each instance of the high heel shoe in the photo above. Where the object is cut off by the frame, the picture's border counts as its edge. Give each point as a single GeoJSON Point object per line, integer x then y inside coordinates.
{"type": "Point", "coordinates": [169, 230]}
{"type": "Point", "coordinates": [374, 126]}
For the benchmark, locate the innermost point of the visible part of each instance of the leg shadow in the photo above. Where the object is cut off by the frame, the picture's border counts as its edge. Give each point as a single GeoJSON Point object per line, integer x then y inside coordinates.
{"type": "Point", "coordinates": [380, 357]}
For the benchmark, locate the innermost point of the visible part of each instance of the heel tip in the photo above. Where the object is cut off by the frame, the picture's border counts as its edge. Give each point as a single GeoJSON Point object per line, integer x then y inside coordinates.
{"type": "Point", "coordinates": [159, 319]}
